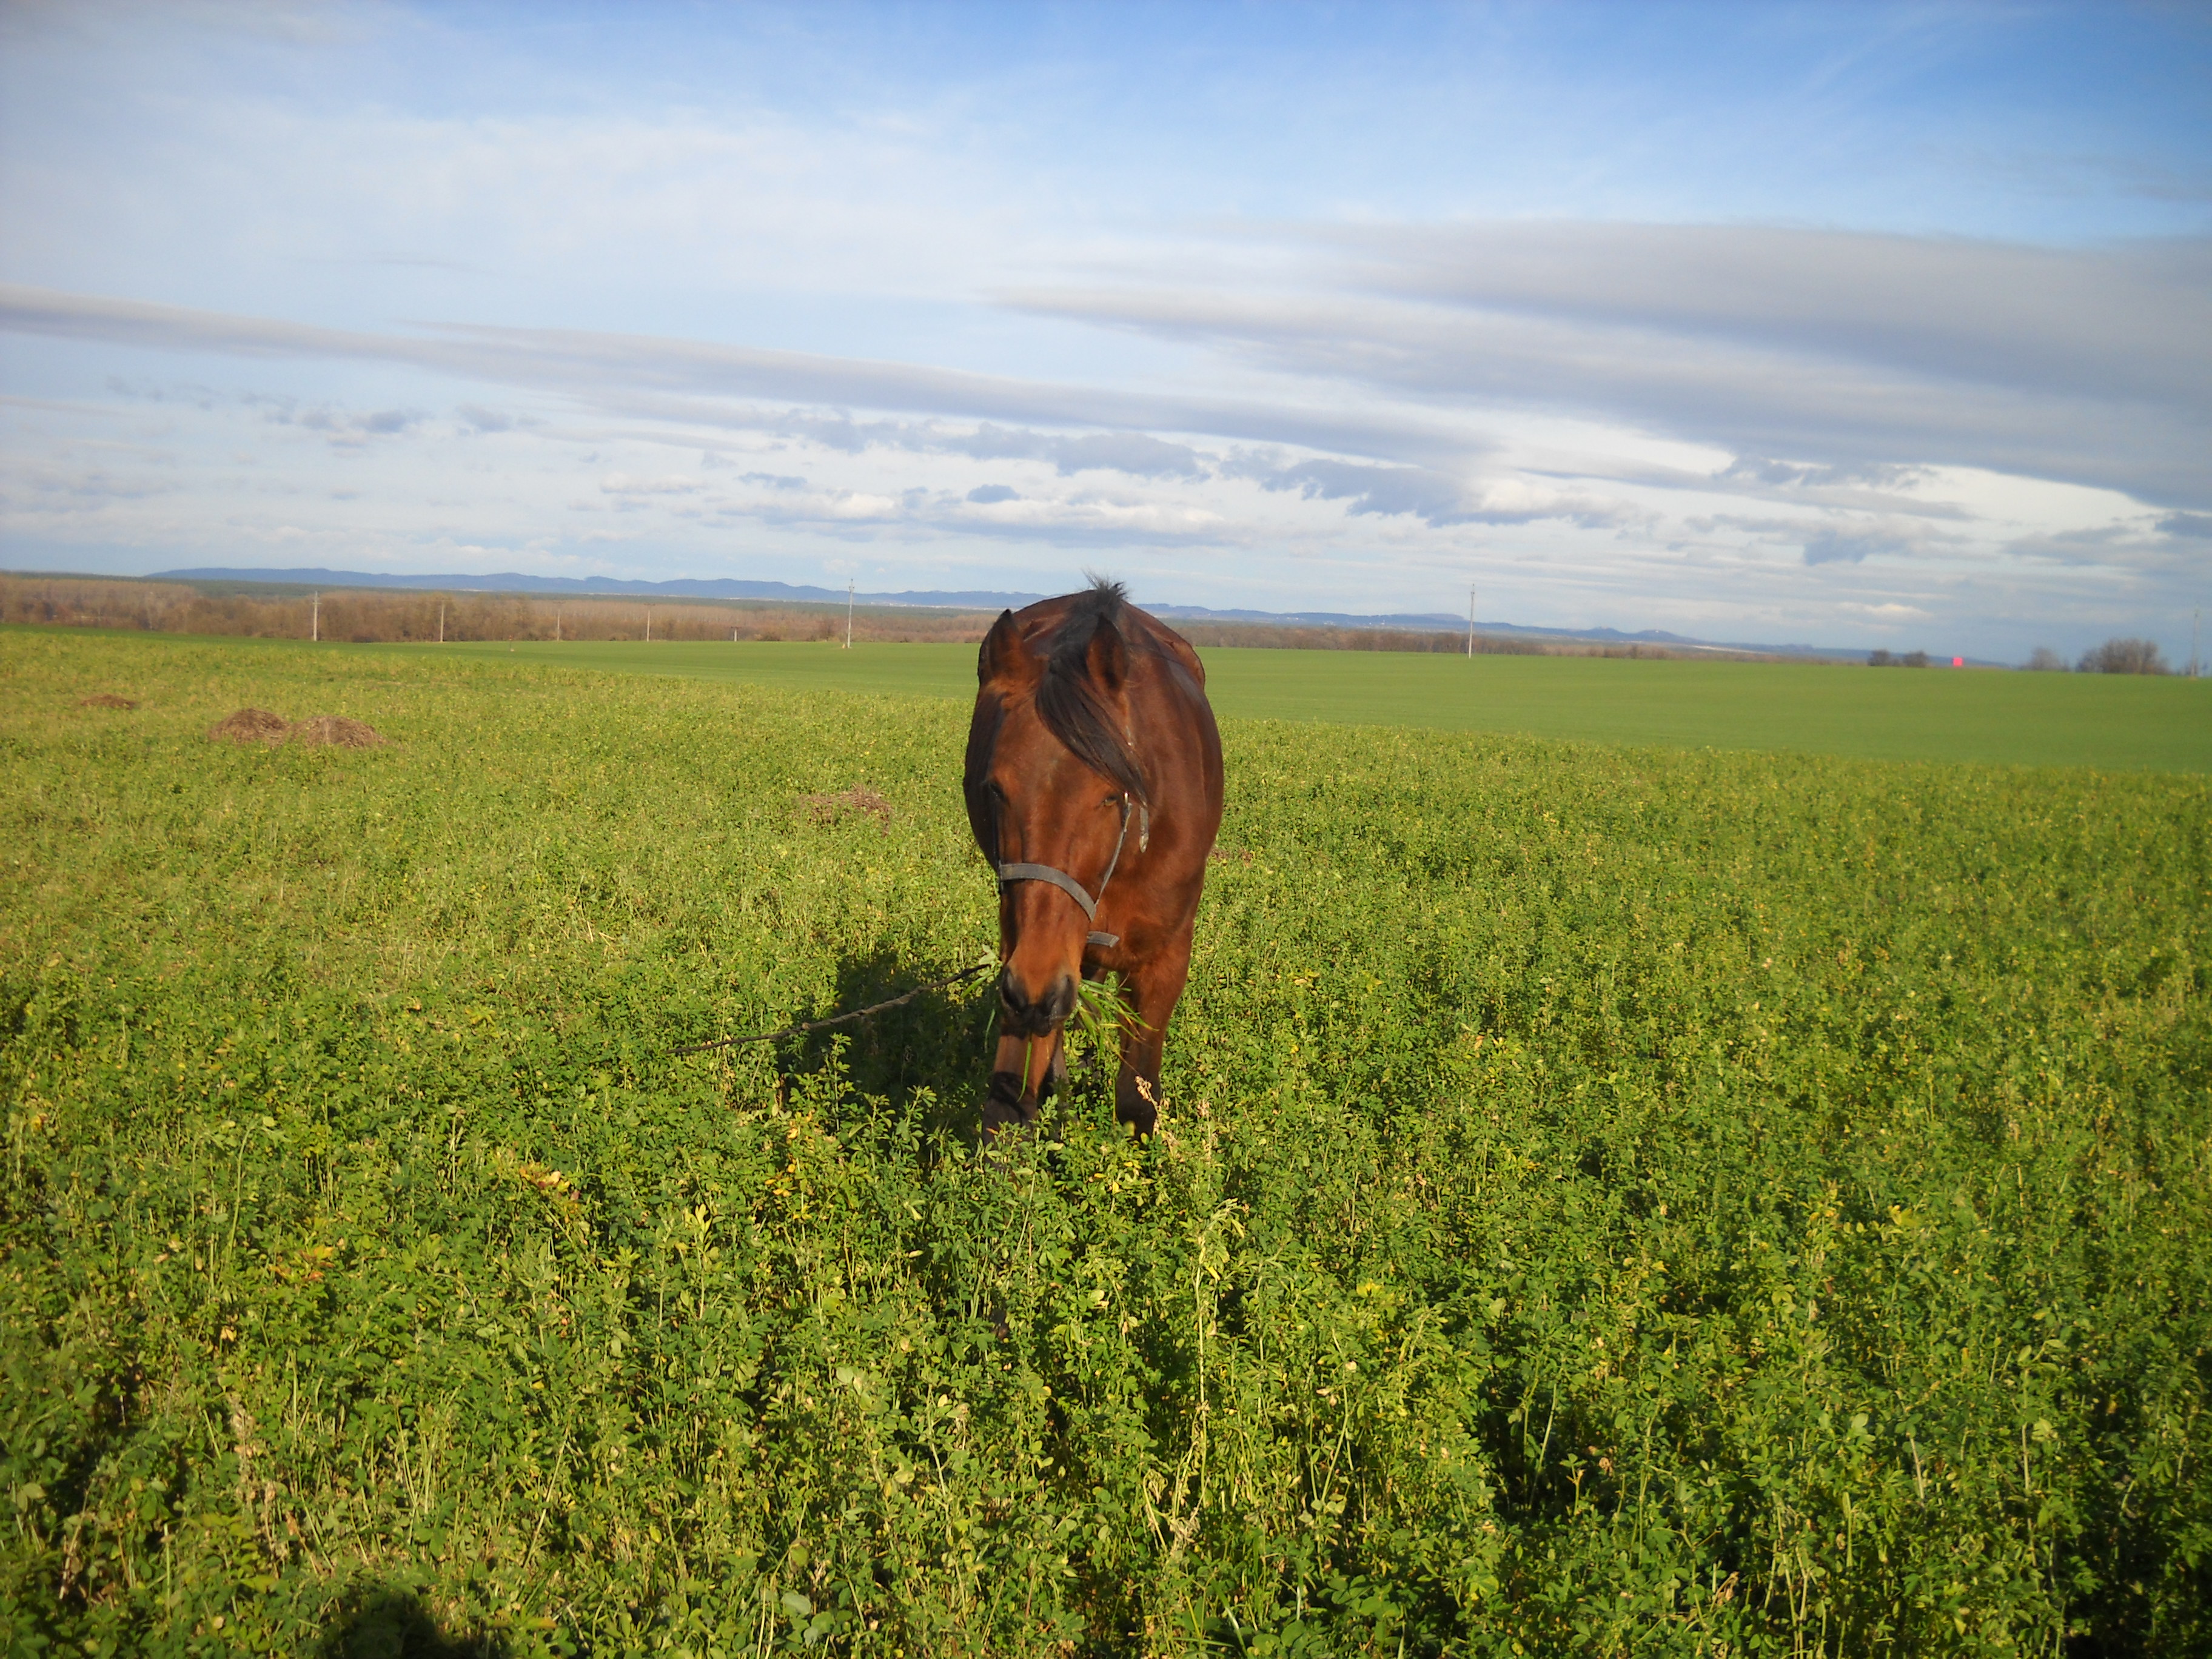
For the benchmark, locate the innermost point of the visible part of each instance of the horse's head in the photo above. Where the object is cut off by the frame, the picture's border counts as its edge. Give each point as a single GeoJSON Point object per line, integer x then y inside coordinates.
{"type": "Point", "coordinates": [1055, 797]}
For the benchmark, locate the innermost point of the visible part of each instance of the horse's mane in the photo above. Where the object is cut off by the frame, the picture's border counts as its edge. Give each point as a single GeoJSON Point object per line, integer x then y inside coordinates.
{"type": "Point", "coordinates": [1072, 705]}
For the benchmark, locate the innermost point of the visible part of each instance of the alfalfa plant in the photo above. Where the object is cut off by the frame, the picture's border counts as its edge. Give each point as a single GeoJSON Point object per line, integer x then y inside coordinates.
{"type": "Point", "coordinates": [1101, 1015]}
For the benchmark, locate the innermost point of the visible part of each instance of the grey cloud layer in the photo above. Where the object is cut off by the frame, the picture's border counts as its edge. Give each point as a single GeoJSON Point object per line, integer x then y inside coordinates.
{"type": "Point", "coordinates": [1438, 499]}
{"type": "Point", "coordinates": [1138, 454]}
{"type": "Point", "coordinates": [2132, 323]}
{"type": "Point", "coordinates": [1835, 545]}
{"type": "Point", "coordinates": [1840, 352]}
{"type": "Point", "coordinates": [601, 368]}
{"type": "Point", "coordinates": [1836, 368]}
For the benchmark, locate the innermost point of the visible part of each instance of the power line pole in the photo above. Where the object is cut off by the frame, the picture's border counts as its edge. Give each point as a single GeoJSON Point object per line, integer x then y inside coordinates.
{"type": "Point", "coordinates": [441, 621]}
{"type": "Point", "coordinates": [848, 613]}
{"type": "Point", "coordinates": [315, 616]}
{"type": "Point", "coordinates": [1470, 620]}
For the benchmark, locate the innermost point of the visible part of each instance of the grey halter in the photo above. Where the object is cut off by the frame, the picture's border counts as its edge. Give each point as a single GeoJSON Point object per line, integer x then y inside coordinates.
{"type": "Point", "coordinates": [1068, 884]}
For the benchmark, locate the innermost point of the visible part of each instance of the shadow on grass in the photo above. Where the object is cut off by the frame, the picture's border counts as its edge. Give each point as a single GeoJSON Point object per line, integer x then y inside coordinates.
{"type": "Point", "coordinates": [940, 1042]}
{"type": "Point", "coordinates": [388, 1623]}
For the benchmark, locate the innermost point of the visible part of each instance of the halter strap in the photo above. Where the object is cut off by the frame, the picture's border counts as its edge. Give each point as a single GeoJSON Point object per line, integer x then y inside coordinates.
{"type": "Point", "coordinates": [1074, 889]}
{"type": "Point", "coordinates": [1058, 878]}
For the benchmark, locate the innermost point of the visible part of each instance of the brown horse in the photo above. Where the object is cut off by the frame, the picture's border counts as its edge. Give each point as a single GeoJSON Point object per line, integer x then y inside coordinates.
{"type": "Point", "coordinates": [1094, 788]}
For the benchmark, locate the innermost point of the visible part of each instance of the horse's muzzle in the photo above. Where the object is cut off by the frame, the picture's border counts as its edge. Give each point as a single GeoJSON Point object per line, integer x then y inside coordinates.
{"type": "Point", "coordinates": [1028, 1017]}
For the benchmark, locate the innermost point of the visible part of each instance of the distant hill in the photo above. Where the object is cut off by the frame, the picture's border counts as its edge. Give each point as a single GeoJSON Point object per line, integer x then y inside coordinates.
{"type": "Point", "coordinates": [512, 581]}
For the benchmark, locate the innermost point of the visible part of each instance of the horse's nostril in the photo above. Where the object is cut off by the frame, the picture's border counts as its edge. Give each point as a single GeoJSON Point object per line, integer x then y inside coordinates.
{"type": "Point", "coordinates": [1059, 1001]}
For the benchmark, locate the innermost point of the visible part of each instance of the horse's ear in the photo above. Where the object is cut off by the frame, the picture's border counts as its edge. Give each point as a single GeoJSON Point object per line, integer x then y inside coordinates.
{"type": "Point", "coordinates": [1002, 651]}
{"type": "Point", "coordinates": [1107, 658]}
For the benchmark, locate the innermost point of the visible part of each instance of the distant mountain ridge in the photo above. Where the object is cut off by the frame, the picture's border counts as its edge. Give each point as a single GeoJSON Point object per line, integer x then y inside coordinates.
{"type": "Point", "coordinates": [723, 587]}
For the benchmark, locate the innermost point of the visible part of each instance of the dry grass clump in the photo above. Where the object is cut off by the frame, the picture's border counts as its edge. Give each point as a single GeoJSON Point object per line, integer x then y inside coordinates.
{"type": "Point", "coordinates": [106, 700]}
{"type": "Point", "coordinates": [259, 726]}
{"type": "Point", "coordinates": [858, 798]}
{"type": "Point", "coordinates": [339, 732]}
{"type": "Point", "coordinates": [250, 725]}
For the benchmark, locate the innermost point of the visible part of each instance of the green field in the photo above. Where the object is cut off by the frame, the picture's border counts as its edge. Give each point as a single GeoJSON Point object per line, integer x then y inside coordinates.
{"type": "Point", "coordinates": [2118, 722]}
{"type": "Point", "coordinates": [1613, 1199]}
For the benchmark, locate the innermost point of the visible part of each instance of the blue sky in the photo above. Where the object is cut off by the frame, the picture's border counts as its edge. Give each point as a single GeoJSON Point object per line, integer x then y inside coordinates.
{"type": "Point", "coordinates": [1853, 324]}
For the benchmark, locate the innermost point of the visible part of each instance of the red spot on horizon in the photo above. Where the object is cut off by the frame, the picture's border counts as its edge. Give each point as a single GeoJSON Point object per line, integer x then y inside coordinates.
{"type": "Point", "coordinates": [1958, 662]}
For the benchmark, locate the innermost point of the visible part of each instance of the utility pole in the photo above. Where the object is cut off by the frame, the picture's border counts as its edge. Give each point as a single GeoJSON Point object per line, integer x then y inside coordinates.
{"type": "Point", "coordinates": [648, 624]}
{"type": "Point", "coordinates": [556, 624]}
{"type": "Point", "coordinates": [1470, 620]}
{"type": "Point", "coordinates": [441, 621]}
{"type": "Point", "coordinates": [849, 615]}
{"type": "Point", "coordinates": [315, 618]}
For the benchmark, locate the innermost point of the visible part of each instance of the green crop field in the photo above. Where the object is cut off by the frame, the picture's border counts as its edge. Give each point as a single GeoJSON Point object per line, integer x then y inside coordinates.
{"type": "Point", "coordinates": [1613, 1199]}
{"type": "Point", "coordinates": [2117, 722]}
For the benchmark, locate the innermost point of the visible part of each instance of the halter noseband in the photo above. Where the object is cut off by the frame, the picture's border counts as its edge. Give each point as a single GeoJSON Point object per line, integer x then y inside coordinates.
{"type": "Point", "coordinates": [1072, 888]}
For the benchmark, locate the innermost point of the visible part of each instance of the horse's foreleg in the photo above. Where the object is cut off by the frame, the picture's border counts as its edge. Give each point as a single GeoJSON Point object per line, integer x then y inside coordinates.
{"type": "Point", "coordinates": [1152, 991]}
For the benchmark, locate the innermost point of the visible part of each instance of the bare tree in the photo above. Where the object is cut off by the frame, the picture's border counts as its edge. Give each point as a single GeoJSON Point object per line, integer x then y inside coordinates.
{"type": "Point", "coordinates": [2044, 661]}
{"type": "Point", "coordinates": [2124, 657]}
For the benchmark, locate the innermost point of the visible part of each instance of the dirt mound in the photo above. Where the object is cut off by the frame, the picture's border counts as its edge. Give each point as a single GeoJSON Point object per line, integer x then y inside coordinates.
{"type": "Point", "coordinates": [107, 700]}
{"type": "Point", "coordinates": [858, 798]}
{"type": "Point", "coordinates": [250, 725]}
{"type": "Point", "coordinates": [339, 732]}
